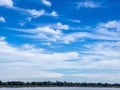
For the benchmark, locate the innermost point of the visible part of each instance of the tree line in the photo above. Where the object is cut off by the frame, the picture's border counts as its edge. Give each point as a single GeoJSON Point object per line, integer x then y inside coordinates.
{"type": "Point", "coordinates": [55, 84]}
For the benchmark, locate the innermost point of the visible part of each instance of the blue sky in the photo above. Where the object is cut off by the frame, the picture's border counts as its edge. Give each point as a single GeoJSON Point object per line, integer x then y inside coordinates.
{"type": "Point", "coordinates": [65, 40]}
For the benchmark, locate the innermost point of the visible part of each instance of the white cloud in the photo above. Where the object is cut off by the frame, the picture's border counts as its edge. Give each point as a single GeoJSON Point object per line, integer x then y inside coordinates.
{"type": "Point", "coordinates": [36, 13]}
{"type": "Point", "coordinates": [103, 31]}
{"type": "Point", "coordinates": [33, 13]}
{"type": "Point", "coordinates": [111, 25]}
{"type": "Point", "coordinates": [28, 53]}
{"type": "Point", "coordinates": [28, 46]}
{"type": "Point", "coordinates": [48, 44]}
{"type": "Point", "coordinates": [88, 4]}
{"type": "Point", "coordinates": [27, 74]}
{"type": "Point", "coordinates": [2, 19]}
{"type": "Point", "coordinates": [48, 32]}
{"type": "Point", "coordinates": [103, 56]}
{"type": "Point", "coordinates": [2, 38]}
{"type": "Point", "coordinates": [101, 77]}
{"type": "Point", "coordinates": [109, 30]}
{"type": "Point", "coordinates": [46, 2]}
{"type": "Point", "coordinates": [21, 23]}
{"type": "Point", "coordinates": [74, 20]}
{"type": "Point", "coordinates": [53, 13]}
{"type": "Point", "coordinates": [54, 32]}
{"type": "Point", "coordinates": [69, 38]}
{"type": "Point", "coordinates": [30, 62]}
{"type": "Point", "coordinates": [62, 27]}
{"type": "Point", "coordinates": [99, 56]}
{"type": "Point", "coordinates": [7, 3]}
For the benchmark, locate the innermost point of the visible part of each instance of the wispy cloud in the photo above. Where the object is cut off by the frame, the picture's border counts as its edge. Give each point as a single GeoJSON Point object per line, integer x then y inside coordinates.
{"type": "Point", "coordinates": [53, 13]}
{"type": "Point", "coordinates": [6, 3]}
{"type": "Point", "coordinates": [75, 20]}
{"type": "Point", "coordinates": [62, 26]}
{"type": "Point", "coordinates": [103, 31]}
{"type": "Point", "coordinates": [46, 2]}
{"type": "Point", "coordinates": [48, 32]}
{"type": "Point", "coordinates": [2, 19]}
{"type": "Point", "coordinates": [36, 13]}
{"type": "Point", "coordinates": [21, 23]}
{"type": "Point", "coordinates": [88, 4]}
{"type": "Point", "coordinates": [103, 57]}
{"type": "Point", "coordinates": [54, 32]}
{"type": "Point", "coordinates": [33, 13]}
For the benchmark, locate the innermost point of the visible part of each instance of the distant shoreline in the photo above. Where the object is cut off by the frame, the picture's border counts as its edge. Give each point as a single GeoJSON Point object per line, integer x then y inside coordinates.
{"type": "Point", "coordinates": [58, 87]}
{"type": "Point", "coordinates": [20, 84]}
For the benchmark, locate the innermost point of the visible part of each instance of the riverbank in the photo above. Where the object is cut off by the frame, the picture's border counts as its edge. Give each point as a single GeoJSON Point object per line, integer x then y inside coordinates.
{"type": "Point", "coordinates": [19, 84]}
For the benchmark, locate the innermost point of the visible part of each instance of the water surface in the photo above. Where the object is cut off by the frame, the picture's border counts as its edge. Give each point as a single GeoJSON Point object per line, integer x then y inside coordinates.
{"type": "Point", "coordinates": [59, 88]}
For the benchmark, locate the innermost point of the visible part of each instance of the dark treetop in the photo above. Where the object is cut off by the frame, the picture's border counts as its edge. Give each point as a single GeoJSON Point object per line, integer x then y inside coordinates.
{"type": "Point", "coordinates": [55, 84]}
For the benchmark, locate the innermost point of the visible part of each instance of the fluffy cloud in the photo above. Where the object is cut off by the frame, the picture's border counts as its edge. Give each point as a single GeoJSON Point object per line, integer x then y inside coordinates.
{"type": "Point", "coordinates": [109, 30]}
{"type": "Point", "coordinates": [53, 13]}
{"type": "Point", "coordinates": [2, 19]}
{"type": "Point", "coordinates": [30, 62]}
{"type": "Point", "coordinates": [46, 2]}
{"type": "Point", "coordinates": [62, 27]}
{"type": "Point", "coordinates": [28, 53]}
{"type": "Point", "coordinates": [114, 25]}
{"type": "Point", "coordinates": [7, 3]}
{"type": "Point", "coordinates": [88, 4]}
{"type": "Point", "coordinates": [36, 13]}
